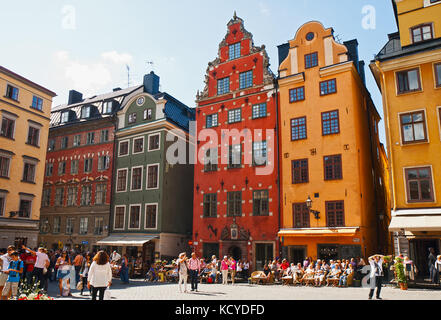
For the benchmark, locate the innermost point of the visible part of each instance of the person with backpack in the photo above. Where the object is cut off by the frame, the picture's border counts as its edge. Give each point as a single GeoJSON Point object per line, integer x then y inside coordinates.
{"type": "Point", "coordinates": [14, 270]}
{"type": "Point", "coordinates": [182, 271]}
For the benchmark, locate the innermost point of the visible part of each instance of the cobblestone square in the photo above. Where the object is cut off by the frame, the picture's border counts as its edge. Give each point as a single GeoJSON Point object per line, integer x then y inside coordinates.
{"type": "Point", "coordinates": [140, 290]}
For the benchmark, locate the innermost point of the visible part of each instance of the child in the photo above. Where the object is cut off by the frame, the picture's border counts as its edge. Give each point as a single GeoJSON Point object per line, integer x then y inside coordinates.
{"type": "Point", "coordinates": [14, 271]}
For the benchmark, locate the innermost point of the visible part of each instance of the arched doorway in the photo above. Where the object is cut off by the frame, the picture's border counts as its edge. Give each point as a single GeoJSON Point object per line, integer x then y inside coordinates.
{"type": "Point", "coordinates": [235, 252]}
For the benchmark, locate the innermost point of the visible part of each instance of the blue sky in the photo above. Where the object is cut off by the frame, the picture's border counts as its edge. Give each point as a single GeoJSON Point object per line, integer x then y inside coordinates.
{"type": "Point", "coordinates": [86, 45]}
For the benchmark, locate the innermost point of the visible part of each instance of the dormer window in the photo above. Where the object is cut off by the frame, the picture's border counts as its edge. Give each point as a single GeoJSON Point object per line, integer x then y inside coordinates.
{"type": "Point", "coordinates": [108, 107]}
{"type": "Point", "coordinates": [147, 114]}
{"type": "Point", "coordinates": [65, 117]}
{"type": "Point", "coordinates": [85, 112]}
{"type": "Point", "coordinates": [132, 118]}
{"type": "Point", "coordinates": [234, 51]}
{"type": "Point", "coordinates": [422, 33]}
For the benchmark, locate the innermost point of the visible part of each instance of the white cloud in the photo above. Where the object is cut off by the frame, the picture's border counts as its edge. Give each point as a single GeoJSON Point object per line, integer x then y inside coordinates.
{"type": "Point", "coordinates": [90, 77]}
{"type": "Point", "coordinates": [264, 9]}
{"type": "Point", "coordinates": [118, 58]}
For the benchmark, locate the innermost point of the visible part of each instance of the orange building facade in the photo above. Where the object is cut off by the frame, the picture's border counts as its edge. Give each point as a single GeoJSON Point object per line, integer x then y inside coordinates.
{"type": "Point", "coordinates": [330, 152]}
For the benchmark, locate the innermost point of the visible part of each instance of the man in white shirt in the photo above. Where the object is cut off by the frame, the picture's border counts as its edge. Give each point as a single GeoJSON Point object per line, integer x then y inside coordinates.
{"type": "Point", "coordinates": [376, 275]}
{"type": "Point", "coordinates": [41, 263]}
{"type": "Point", "coordinates": [115, 257]}
{"type": "Point", "coordinates": [4, 264]}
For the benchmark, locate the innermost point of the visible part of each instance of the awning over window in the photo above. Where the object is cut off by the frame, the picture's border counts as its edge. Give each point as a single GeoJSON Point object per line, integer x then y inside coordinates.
{"type": "Point", "coordinates": [308, 232]}
{"type": "Point", "coordinates": [126, 241]}
{"type": "Point", "coordinates": [416, 220]}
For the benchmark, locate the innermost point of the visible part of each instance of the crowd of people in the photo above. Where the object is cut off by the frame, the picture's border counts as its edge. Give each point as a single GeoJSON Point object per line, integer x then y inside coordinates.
{"type": "Point", "coordinates": [94, 270]}
{"type": "Point", "coordinates": [24, 267]}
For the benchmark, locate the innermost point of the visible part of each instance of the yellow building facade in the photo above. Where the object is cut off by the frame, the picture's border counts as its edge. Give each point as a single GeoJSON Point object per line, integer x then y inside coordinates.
{"type": "Point", "coordinates": [25, 114]}
{"type": "Point", "coordinates": [408, 73]}
{"type": "Point", "coordinates": [330, 151]}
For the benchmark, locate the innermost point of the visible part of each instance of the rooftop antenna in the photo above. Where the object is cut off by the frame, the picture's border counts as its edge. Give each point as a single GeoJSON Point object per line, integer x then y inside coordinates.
{"type": "Point", "coordinates": [128, 75]}
{"type": "Point", "coordinates": [151, 64]}
{"type": "Point", "coordinates": [337, 38]}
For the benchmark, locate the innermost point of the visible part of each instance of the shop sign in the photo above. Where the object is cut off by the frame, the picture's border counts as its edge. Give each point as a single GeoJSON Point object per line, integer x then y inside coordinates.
{"type": "Point", "coordinates": [356, 239]}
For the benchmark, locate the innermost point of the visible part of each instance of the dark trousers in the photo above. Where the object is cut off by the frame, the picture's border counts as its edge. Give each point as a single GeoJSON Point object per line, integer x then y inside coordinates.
{"type": "Point", "coordinates": [378, 283]}
{"type": "Point", "coordinates": [96, 290]}
{"type": "Point", "coordinates": [77, 273]}
{"type": "Point", "coordinates": [37, 273]}
{"type": "Point", "coordinates": [193, 279]}
{"type": "Point", "coordinates": [84, 279]}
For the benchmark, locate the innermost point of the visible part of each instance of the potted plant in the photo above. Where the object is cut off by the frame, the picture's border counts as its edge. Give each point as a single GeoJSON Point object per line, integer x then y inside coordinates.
{"type": "Point", "coordinates": [400, 275]}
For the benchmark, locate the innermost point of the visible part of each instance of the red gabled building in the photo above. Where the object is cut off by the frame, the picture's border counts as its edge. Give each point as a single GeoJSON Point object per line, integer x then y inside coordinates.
{"type": "Point", "coordinates": [236, 199]}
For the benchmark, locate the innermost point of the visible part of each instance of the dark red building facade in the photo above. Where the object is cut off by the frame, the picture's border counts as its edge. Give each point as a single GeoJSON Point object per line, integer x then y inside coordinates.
{"type": "Point", "coordinates": [236, 202]}
{"type": "Point", "coordinates": [77, 190]}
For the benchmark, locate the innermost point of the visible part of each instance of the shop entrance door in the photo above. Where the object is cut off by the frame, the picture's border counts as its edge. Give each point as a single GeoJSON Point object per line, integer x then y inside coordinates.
{"type": "Point", "coordinates": [419, 249]}
{"type": "Point", "coordinates": [209, 250]}
{"type": "Point", "coordinates": [264, 252]}
{"type": "Point", "coordinates": [297, 254]}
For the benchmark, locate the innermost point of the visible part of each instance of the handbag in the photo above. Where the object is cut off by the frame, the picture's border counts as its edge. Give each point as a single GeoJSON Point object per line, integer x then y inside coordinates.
{"type": "Point", "coordinates": [44, 270]}
{"type": "Point", "coordinates": [80, 285]}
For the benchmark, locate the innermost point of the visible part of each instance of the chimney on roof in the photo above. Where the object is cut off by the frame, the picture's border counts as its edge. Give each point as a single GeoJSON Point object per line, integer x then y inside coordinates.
{"type": "Point", "coordinates": [74, 97]}
{"type": "Point", "coordinates": [117, 89]}
{"type": "Point", "coordinates": [151, 83]}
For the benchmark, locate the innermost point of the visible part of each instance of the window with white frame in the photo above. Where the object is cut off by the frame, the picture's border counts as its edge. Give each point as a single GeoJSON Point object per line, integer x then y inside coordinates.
{"type": "Point", "coordinates": [59, 196]}
{"type": "Point", "coordinates": [138, 145]}
{"type": "Point", "coordinates": [85, 112]}
{"type": "Point", "coordinates": [77, 140]}
{"type": "Point", "coordinates": [123, 149]}
{"type": "Point", "coordinates": [260, 155]}
{"type": "Point", "coordinates": [135, 217]}
{"type": "Point", "coordinates": [151, 211]}
{"type": "Point", "coordinates": [154, 141]}
{"type": "Point", "coordinates": [88, 165]}
{"type": "Point", "coordinates": [120, 215]}
{"type": "Point", "coordinates": [57, 225]}
{"type": "Point", "coordinates": [90, 138]}
{"type": "Point", "coordinates": [74, 164]}
{"type": "Point", "coordinates": [37, 103]}
{"type": "Point", "coordinates": [46, 198]}
{"type": "Point", "coordinates": [121, 180]}
{"type": "Point", "coordinates": [49, 169]}
{"type": "Point", "coordinates": [136, 179]}
{"type": "Point", "coordinates": [153, 176]}
{"type": "Point", "coordinates": [212, 120]}
{"type": "Point", "coordinates": [61, 168]}
{"type": "Point", "coordinates": [234, 115]}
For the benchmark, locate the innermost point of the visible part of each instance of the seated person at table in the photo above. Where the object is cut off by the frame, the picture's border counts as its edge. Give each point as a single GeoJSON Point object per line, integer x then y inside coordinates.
{"type": "Point", "coordinates": [267, 271]}
{"type": "Point", "coordinates": [175, 272]}
{"type": "Point", "coordinates": [297, 272]}
{"type": "Point", "coordinates": [334, 274]}
{"type": "Point", "coordinates": [319, 278]}
{"type": "Point", "coordinates": [213, 271]}
{"type": "Point", "coordinates": [309, 274]}
{"type": "Point", "coordinates": [152, 274]}
{"type": "Point", "coordinates": [344, 277]}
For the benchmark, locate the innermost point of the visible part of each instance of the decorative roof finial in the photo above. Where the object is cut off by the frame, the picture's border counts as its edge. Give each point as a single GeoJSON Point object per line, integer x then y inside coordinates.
{"type": "Point", "coordinates": [235, 15]}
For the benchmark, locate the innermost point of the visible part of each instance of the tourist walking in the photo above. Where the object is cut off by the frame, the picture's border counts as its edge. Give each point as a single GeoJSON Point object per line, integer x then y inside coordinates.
{"type": "Point", "coordinates": [376, 275]}
{"type": "Point", "coordinates": [41, 265]}
{"type": "Point", "coordinates": [84, 271]}
{"type": "Point", "coordinates": [124, 269]}
{"type": "Point", "coordinates": [5, 260]}
{"type": "Point", "coordinates": [14, 270]}
{"type": "Point", "coordinates": [99, 277]}
{"type": "Point", "coordinates": [182, 271]}
{"type": "Point", "coordinates": [232, 270]}
{"type": "Point", "coordinates": [224, 270]}
{"type": "Point", "coordinates": [63, 265]}
{"type": "Point", "coordinates": [78, 262]}
{"type": "Point", "coordinates": [194, 268]}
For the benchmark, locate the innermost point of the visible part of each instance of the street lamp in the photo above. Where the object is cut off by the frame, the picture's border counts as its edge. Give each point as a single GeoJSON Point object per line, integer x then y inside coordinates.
{"type": "Point", "coordinates": [309, 206]}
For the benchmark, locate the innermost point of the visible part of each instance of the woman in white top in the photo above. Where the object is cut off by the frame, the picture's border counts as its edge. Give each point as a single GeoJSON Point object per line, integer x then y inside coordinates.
{"type": "Point", "coordinates": [100, 275]}
{"type": "Point", "coordinates": [63, 265]}
{"type": "Point", "coordinates": [182, 269]}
